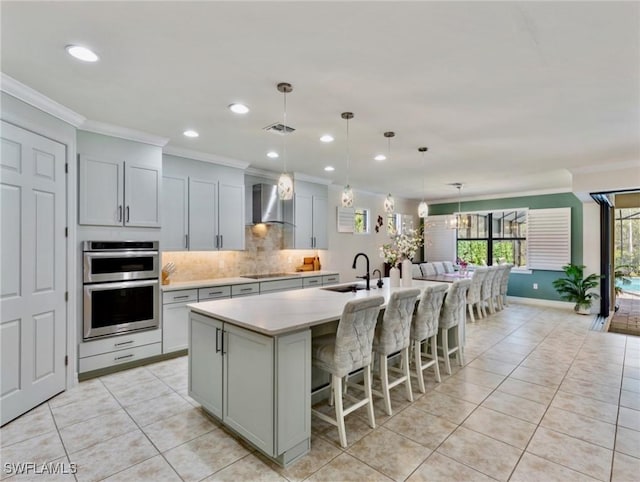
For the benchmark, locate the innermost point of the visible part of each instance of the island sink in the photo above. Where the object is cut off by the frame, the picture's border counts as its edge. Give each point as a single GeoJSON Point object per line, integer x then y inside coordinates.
{"type": "Point", "coordinates": [344, 288]}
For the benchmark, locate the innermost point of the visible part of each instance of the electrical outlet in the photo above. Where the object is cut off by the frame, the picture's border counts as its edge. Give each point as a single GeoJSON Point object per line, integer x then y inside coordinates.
{"type": "Point", "coordinates": [535, 286]}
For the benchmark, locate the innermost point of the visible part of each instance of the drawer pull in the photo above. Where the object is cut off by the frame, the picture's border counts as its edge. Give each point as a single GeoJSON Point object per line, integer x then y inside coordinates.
{"type": "Point", "coordinates": [124, 343]}
{"type": "Point", "coordinates": [181, 297]}
{"type": "Point", "coordinates": [130, 355]}
{"type": "Point", "coordinates": [215, 292]}
{"type": "Point", "coordinates": [312, 282]}
{"type": "Point", "coordinates": [246, 289]}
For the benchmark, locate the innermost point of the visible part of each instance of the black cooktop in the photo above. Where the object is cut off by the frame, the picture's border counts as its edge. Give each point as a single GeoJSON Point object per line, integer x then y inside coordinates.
{"type": "Point", "coordinates": [268, 275]}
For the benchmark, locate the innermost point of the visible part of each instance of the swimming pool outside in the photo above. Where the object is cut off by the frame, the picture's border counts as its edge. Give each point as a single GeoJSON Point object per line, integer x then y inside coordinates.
{"type": "Point", "coordinates": [633, 287]}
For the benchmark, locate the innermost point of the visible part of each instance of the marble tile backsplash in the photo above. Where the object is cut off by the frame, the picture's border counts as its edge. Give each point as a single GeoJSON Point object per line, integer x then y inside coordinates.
{"type": "Point", "coordinates": [263, 254]}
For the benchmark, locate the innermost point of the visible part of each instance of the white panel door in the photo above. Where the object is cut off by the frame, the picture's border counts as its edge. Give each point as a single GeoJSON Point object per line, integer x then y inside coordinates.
{"type": "Point", "coordinates": [303, 220]}
{"type": "Point", "coordinates": [32, 253]}
{"type": "Point", "coordinates": [231, 216]}
{"type": "Point", "coordinates": [174, 213]}
{"type": "Point", "coordinates": [100, 198]}
{"type": "Point", "coordinates": [203, 215]}
{"type": "Point", "coordinates": [141, 195]}
{"type": "Point", "coordinates": [320, 238]}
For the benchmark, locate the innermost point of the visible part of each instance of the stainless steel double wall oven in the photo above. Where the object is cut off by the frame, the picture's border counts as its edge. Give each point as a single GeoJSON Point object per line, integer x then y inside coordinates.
{"type": "Point", "coordinates": [121, 290]}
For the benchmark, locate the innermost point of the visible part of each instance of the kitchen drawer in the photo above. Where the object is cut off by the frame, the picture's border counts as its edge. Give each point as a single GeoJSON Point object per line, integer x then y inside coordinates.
{"type": "Point", "coordinates": [280, 285]}
{"type": "Point", "coordinates": [214, 292]}
{"type": "Point", "coordinates": [118, 357]}
{"type": "Point", "coordinates": [330, 279]}
{"type": "Point", "coordinates": [312, 282]}
{"type": "Point", "coordinates": [244, 290]}
{"type": "Point", "coordinates": [180, 296]}
{"type": "Point", "coordinates": [121, 342]}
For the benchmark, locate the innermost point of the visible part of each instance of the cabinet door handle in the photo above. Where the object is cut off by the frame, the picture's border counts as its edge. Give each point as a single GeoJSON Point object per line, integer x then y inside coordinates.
{"type": "Point", "coordinates": [130, 355]}
{"type": "Point", "coordinates": [186, 241]}
{"type": "Point", "coordinates": [216, 241]}
{"type": "Point", "coordinates": [221, 241]}
{"type": "Point", "coordinates": [224, 350]}
{"type": "Point", "coordinates": [123, 343]}
{"type": "Point", "coordinates": [127, 214]}
{"type": "Point", "coordinates": [120, 213]}
{"type": "Point", "coordinates": [217, 338]}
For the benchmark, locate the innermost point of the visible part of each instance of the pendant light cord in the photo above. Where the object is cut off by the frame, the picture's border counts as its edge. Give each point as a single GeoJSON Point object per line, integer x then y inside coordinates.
{"type": "Point", "coordinates": [348, 152]}
{"type": "Point", "coordinates": [284, 133]}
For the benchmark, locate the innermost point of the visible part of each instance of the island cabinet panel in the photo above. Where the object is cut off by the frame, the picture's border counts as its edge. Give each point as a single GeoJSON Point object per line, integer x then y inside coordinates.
{"type": "Point", "coordinates": [293, 392]}
{"type": "Point", "coordinates": [248, 386]}
{"type": "Point", "coordinates": [257, 385]}
{"type": "Point", "coordinates": [205, 363]}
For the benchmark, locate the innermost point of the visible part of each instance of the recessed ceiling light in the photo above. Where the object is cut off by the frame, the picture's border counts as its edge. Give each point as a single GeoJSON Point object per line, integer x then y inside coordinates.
{"type": "Point", "coordinates": [380, 157]}
{"type": "Point", "coordinates": [81, 53]}
{"type": "Point", "coordinates": [273, 154]}
{"type": "Point", "coordinates": [329, 168]}
{"type": "Point", "coordinates": [326, 138]}
{"type": "Point", "coordinates": [191, 133]}
{"type": "Point", "coordinates": [238, 108]}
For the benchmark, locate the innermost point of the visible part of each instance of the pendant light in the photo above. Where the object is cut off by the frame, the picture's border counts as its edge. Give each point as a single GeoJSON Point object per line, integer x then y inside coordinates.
{"type": "Point", "coordinates": [347, 193]}
{"type": "Point", "coordinates": [389, 202]}
{"type": "Point", "coordinates": [423, 207]}
{"type": "Point", "coordinates": [285, 181]}
{"type": "Point", "coordinates": [457, 221]}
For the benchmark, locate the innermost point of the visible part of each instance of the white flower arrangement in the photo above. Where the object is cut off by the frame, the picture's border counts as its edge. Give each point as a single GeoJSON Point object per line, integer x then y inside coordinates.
{"type": "Point", "coordinates": [403, 246]}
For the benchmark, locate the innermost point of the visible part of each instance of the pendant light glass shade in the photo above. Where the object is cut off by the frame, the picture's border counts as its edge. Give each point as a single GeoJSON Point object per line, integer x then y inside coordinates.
{"type": "Point", "coordinates": [347, 197]}
{"type": "Point", "coordinates": [423, 210]}
{"type": "Point", "coordinates": [285, 181]}
{"type": "Point", "coordinates": [389, 204]}
{"type": "Point", "coordinates": [457, 221]}
{"type": "Point", "coordinates": [423, 207]}
{"type": "Point", "coordinates": [347, 192]}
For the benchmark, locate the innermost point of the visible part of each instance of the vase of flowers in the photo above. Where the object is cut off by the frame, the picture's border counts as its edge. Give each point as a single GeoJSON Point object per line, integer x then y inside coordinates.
{"type": "Point", "coordinates": [403, 247]}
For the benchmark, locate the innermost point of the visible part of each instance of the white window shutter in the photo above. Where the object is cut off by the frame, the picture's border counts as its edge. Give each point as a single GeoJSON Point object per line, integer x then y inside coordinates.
{"type": "Point", "coordinates": [549, 238]}
{"type": "Point", "coordinates": [439, 239]}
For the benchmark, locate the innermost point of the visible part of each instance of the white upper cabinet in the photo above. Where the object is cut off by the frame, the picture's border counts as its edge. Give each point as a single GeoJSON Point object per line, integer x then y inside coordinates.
{"type": "Point", "coordinates": [119, 182]}
{"type": "Point", "coordinates": [203, 206]}
{"type": "Point", "coordinates": [309, 217]}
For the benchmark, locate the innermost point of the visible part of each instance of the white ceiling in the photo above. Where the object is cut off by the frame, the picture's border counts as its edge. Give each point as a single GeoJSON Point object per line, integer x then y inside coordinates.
{"type": "Point", "coordinates": [508, 96]}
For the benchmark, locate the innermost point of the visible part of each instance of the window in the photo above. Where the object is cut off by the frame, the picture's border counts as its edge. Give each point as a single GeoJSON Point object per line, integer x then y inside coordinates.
{"type": "Point", "coordinates": [361, 221]}
{"type": "Point", "coordinates": [493, 237]}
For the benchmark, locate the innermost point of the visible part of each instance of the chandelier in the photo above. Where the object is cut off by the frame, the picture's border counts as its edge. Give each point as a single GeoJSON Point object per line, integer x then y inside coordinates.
{"type": "Point", "coordinates": [457, 220]}
{"type": "Point", "coordinates": [285, 181]}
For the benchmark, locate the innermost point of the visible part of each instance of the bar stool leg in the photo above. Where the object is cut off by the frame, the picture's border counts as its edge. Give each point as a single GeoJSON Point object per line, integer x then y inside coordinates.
{"type": "Point", "coordinates": [445, 350]}
{"type": "Point", "coordinates": [337, 390]}
{"type": "Point", "coordinates": [407, 373]}
{"type": "Point", "coordinates": [417, 356]}
{"type": "Point", "coordinates": [369, 395]}
{"type": "Point", "coordinates": [434, 355]}
{"type": "Point", "coordinates": [384, 379]}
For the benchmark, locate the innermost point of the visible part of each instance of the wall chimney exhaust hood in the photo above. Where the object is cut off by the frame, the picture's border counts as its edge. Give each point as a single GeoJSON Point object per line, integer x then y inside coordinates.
{"type": "Point", "coordinates": [267, 206]}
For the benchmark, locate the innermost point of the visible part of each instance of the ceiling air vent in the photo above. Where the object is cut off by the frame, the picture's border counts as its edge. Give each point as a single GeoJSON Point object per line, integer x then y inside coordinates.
{"type": "Point", "coordinates": [279, 128]}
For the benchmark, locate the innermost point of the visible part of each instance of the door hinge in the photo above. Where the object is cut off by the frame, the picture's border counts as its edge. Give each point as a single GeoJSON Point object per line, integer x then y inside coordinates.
{"type": "Point", "coordinates": [66, 296]}
{"type": "Point", "coordinates": [66, 168]}
{"type": "Point", "coordinates": [66, 360]}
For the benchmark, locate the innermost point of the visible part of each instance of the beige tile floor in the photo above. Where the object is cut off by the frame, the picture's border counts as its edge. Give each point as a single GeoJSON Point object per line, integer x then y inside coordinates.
{"type": "Point", "coordinates": [541, 398]}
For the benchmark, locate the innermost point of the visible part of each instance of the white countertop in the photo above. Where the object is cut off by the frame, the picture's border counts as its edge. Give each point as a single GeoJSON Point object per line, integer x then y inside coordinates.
{"type": "Point", "coordinates": [278, 313]}
{"type": "Point", "coordinates": [186, 285]}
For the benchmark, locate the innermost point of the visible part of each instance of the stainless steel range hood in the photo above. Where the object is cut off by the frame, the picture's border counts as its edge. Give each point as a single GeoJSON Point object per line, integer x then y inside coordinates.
{"type": "Point", "coordinates": [267, 206]}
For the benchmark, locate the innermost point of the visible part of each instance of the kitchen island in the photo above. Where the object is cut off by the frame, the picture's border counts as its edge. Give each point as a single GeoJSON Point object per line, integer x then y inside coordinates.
{"type": "Point", "coordinates": [250, 362]}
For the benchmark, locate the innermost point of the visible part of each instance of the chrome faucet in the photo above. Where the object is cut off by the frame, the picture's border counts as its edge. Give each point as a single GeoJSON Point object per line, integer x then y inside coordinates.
{"type": "Point", "coordinates": [380, 283]}
{"type": "Point", "coordinates": [366, 277]}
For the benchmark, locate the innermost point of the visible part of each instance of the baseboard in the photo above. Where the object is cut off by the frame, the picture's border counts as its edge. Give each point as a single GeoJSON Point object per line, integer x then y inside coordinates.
{"type": "Point", "coordinates": [540, 302]}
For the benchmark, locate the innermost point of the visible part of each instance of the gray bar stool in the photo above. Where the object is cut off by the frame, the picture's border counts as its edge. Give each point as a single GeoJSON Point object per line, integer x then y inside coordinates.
{"type": "Point", "coordinates": [452, 314]}
{"type": "Point", "coordinates": [424, 329]}
{"type": "Point", "coordinates": [349, 349]}
{"type": "Point", "coordinates": [392, 336]}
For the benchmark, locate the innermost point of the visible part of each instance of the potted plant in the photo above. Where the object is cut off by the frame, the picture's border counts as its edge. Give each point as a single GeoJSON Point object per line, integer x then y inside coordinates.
{"type": "Point", "coordinates": [575, 287]}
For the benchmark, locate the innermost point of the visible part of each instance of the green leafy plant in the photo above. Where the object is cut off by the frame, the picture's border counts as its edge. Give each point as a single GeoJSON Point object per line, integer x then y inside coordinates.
{"type": "Point", "coordinates": [575, 287]}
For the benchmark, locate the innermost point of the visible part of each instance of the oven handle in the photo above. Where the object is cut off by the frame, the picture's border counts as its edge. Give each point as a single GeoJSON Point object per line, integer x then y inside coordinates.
{"type": "Point", "coordinates": [119, 254]}
{"type": "Point", "coordinates": [120, 285]}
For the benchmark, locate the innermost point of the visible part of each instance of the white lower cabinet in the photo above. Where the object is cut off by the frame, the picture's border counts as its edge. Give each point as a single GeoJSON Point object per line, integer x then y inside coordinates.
{"type": "Point", "coordinates": [259, 386]}
{"type": "Point", "coordinates": [115, 350]}
{"type": "Point", "coordinates": [175, 319]}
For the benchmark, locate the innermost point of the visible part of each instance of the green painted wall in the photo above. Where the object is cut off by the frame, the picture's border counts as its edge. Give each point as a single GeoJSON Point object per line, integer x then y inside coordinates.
{"type": "Point", "coordinates": [521, 284]}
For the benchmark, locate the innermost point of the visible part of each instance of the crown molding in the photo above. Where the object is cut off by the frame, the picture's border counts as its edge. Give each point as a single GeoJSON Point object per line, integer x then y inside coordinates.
{"type": "Point", "coordinates": [38, 100]}
{"type": "Point", "coordinates": [253, 171]}
{"type": "Point", "coordinates": [298, 176]}
{"type": "Point", "coordinates": [205, 157]}
{"type": "Point", "coordinates": [483, 197]}
{"type": "Point", "coordinates": [123, 133]}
